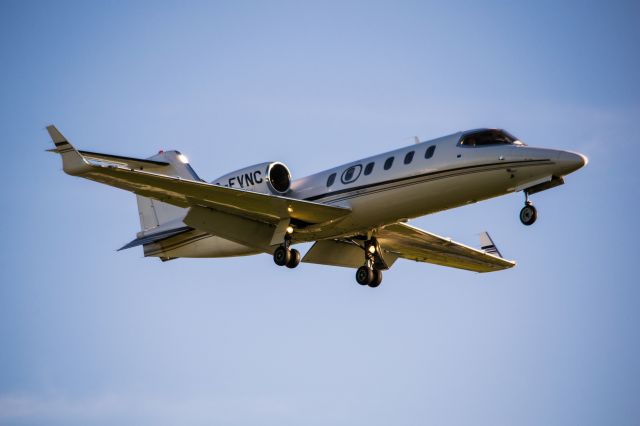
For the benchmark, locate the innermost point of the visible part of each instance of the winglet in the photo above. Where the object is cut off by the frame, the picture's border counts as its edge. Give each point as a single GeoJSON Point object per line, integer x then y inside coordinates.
{"type": "Point", "coordinates": [73, 162]}
{"type": "Point", "coordinates": [488, 246]}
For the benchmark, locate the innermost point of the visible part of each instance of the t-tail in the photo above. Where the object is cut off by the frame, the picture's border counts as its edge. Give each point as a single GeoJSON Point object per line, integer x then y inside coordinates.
{"type": "Point", "coordinates": [158, 220]}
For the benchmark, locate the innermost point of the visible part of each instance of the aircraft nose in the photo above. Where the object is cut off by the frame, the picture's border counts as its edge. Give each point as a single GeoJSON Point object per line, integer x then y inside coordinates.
{"type": "Point", "coordinates": [569, 162]}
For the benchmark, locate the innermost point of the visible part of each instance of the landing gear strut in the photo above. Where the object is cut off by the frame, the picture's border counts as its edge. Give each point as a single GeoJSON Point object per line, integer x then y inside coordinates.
{"type": "Point", "coordinates": [284, 255]}
{"type": "Point", "coordinates": [368, 274]}
{"type": "Point", "coordinates": [528, 214]}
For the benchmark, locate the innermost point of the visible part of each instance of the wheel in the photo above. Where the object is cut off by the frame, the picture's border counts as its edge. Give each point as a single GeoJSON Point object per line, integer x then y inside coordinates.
{"type": "Point", "coordinates": [294, 260]}
{"type": "Point", "coordinates": [364, 275]}
{"type": "Point", "coordinates": [377, 278]}
{"type": "Point", "coordinates": [282, 256]}
{"type": "Point", "coordinates": [528, 215]}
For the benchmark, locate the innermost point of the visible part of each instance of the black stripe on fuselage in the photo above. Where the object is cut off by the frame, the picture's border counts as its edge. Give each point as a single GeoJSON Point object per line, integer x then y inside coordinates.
{"type": "Point", "coordinates": [458, 171]}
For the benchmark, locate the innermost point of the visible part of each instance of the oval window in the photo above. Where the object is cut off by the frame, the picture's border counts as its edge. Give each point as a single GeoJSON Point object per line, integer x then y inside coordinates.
{"type": "Point", "coordinates": [368, 168]}
{"type": "Point", "coordinates": [409, 157]}
{"type": "Point", "coordinates": [388, 163]}
{"type": "Point", "coordinates": [430, 152]}
{"type": "Point", "coordinates": [331, 179]}
{"type": "Point", "coordinates": [351, 174]}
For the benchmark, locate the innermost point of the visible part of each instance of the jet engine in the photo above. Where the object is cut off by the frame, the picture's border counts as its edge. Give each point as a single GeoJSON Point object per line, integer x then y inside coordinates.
{"type": "Point", "coordinates": [268, 178]}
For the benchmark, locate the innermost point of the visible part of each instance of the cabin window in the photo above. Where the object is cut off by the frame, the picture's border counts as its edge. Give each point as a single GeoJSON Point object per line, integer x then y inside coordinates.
{"type": "Point", "coordinates": [348, 175]}
{"type": "Point", "coordinates": [388, 163]}
{"type": "Point", "coordinates": [489, 137]}
{"type": "Point", "coordinates": [331, 179]}
{"type": "Point", "coordinates": [409, 157]}
{"type": "Point", "coordinates": [430, 152]}
{"type": "Point", "coordinates": [368, 168]}
{"type": "Point", "coordinates": [351, 174]}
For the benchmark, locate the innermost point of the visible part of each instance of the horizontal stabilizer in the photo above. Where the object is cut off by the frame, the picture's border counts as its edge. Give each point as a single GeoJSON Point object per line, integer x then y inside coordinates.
{"type": "Point", "coordinates": [147, 239]}
{"type": "Point", "coordinates": [130, 162]}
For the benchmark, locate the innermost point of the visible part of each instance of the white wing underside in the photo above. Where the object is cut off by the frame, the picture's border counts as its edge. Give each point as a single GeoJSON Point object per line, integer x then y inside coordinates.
{"type": "Point", "coordinates": [412, 243]}
{"type": "Point", "coordinates": [400, 240]}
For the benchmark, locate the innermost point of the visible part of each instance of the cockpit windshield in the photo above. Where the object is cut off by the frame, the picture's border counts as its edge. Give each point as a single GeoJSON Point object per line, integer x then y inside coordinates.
{"type": "Point", "coordinates": [489, 137]}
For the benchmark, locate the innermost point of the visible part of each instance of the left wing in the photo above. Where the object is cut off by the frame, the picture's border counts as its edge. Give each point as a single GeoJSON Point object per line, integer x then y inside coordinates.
{"type": "Point", "coordinates": [189, 193]}
{"type": "Point", "coordinates": [412, 243]}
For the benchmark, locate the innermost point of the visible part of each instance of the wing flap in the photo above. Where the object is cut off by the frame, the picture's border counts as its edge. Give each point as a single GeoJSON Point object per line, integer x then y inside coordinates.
{"type": "Point", "coordinates": [415, 244]}
{"type": "Point", "coordinates": [334, 253]}
{"type": "Point", "coordinates": [341, 253]}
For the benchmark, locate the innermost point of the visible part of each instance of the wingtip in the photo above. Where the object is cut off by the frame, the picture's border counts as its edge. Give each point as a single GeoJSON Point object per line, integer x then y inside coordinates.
{"type": "Point", "coordinates": [55, 134]}
{"type": "Point", "coordinates": [73, 162]}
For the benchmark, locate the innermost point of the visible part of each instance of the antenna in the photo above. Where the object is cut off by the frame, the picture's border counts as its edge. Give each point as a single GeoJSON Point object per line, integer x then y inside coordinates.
{"type": "Point", "coordinates": [416, 139]}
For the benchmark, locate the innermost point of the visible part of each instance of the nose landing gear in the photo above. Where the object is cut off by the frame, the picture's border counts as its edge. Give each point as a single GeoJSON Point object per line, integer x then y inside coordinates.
{"type": "Point", "coordinates": [528, 214]}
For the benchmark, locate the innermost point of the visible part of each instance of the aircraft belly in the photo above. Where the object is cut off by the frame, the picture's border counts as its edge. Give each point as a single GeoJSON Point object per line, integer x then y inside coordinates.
{"type": "Point", "coordinates": [416, 199]}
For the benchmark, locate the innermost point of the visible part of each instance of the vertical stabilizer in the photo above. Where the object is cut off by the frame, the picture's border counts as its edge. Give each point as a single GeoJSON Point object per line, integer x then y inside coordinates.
{"type": "Point", "coordinates": [154, 213]}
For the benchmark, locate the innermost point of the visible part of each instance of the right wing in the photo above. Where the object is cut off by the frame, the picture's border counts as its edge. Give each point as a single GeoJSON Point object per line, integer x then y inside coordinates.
{"type": "Point", "coordinates": [415, 244]}
{"type": "Point", "coordinates": [402, 240]}
{"type": "Point", "coordinates": [189, 193]}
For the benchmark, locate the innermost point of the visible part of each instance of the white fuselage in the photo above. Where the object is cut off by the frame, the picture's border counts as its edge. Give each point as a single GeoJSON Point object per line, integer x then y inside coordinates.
{"type": "Point", "coordinates": [440, 174]}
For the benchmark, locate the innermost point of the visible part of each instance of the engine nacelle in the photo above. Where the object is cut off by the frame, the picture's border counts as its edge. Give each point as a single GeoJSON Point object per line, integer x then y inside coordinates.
{"type": "Point", "coordinates": [272, 177]}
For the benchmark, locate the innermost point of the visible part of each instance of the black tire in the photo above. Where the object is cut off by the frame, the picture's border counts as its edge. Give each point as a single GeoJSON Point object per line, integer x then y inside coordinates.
{"type": "Point", "coordinates": [364, 275]}
{"type": "Point", "coordinates": [282, 256]}
{"type": "Point", "coordinates": [528, 215]}
{"type": "Point", "coordinates": [294, 260]}
{"type": "Point", "coordinates": [377, 278]}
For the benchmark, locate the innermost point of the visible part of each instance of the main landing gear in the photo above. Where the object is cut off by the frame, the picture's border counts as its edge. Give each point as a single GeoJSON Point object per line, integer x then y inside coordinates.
{"type": "Point", "coordinates": [284, 255]}
{"type": "Point", "coordinates": [368, 274]}
{"type": "Point", "coordinates": [528, 214]}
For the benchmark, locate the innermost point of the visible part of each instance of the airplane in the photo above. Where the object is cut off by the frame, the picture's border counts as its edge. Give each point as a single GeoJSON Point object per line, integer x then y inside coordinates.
{"type": "Point", "coordinates": [356, 214]}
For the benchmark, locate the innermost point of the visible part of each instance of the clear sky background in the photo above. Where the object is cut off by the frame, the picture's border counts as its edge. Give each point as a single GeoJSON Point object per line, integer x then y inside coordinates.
{"type": "Point", "coordinates": [91, 336]}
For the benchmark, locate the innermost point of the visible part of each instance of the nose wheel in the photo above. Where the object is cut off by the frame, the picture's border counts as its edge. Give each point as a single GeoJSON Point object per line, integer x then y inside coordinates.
{"type": "Point", "coordinates": [528, 214]}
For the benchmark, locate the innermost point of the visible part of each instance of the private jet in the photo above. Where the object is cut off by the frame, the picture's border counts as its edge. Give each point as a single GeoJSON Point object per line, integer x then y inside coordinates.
{"type": "Point", "coordinates": [356, 214]}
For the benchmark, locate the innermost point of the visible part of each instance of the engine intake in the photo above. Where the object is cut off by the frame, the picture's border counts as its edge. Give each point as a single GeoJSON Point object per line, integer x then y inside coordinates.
{"type": "Point", "coordinates": [279, 178]}
{"type": "Point", "coordinates": [271, 177]}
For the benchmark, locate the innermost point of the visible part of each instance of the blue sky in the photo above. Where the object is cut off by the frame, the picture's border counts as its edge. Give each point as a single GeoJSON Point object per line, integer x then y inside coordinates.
{"type": "Point", "coordinates": [93, 336]}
